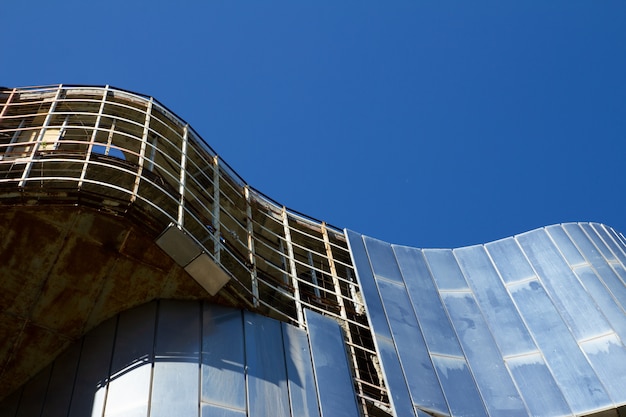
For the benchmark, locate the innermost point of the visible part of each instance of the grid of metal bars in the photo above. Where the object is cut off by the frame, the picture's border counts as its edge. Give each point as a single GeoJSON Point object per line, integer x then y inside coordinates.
{"type": "Point", "coordinates": [126, 153]}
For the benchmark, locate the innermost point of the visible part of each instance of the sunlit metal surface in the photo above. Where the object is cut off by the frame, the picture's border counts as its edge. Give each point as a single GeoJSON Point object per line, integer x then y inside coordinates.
{"type": "Point", "coordinates": [528, 325]}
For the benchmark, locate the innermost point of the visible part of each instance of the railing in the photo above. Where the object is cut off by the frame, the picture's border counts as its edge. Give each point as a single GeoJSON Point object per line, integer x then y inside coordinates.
{"type": "Point", "coordinates": [127, 154]}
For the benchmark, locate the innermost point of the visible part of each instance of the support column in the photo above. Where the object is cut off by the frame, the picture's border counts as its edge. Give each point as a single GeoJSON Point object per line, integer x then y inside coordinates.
{"type": "Point", "coordinates": [251, 252]}
{"type": "Point", "coordinates": [142, 150]}
{"type": "Point", "coordinates": [183, 177]}
{"type": "Point", "coordinates": [217, 244]}
{"type": "Point", "coordinates": [92, 140]}
{"type": "Point", "coordinates": [42, 133]}
{"type": "Point", "coordinates": [342, 312]}
{"type": "Point", "coordinates": [292, 269]}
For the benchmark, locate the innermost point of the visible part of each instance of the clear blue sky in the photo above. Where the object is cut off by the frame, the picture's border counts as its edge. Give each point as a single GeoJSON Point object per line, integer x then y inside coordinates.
{"type": "Point", "coordinates": [426, 123]}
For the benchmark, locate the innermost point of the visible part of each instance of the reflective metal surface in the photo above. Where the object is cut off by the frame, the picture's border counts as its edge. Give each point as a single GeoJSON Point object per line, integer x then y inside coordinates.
{"type": "Point", "coordinates": [330, 363]}
{"type": "Point", "coordinates": [528, 325]}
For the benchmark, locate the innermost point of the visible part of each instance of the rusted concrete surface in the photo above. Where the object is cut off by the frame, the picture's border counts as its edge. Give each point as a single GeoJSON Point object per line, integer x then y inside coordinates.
{"type": "Point", "coordinates": [64, 270]}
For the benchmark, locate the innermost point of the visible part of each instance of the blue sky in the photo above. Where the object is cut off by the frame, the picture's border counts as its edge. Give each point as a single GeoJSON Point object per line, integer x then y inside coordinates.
{"type": "Point", "coordinates": [425, 123]}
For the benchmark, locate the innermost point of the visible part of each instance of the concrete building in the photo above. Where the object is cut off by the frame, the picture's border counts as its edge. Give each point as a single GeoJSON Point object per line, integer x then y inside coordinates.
{"type": "Point", "coordinates": [141, 276]}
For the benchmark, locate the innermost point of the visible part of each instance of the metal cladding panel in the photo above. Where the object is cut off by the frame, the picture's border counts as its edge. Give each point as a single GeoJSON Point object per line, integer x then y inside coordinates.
{"type": "Point", "coordinates": [332, 370]}
{"type": "Point", "coordinates": [302, 390]}
{"type": "Point", "coordinates": [597, 241]}
{"type": "Point", "coordinates": [501, 316]}
{"type": "Point", "coordinates": [365, 275]}
{"type": "Point", "coordinates": [175, 389]}
{"type": "Point", "coordinates": [459, 386]}
{"type": "Point", "coordinates": [10, 405]}
{"type": "Point", "coordinates": [493, 380]}
{"type": "Point", "coordinates": [431, 314]}
{"type": "Point", "coordinates": [395, 378]}
{"type": "Point", "coordinates": [602, 296]}
{"type": "Point", "coordinates": [529, 325]}
{"type": "Point", "coordinates": [414, 359]}
{"type": "Point", "coordinates": [608, 239]}
{"type": "Point", "coordinates": [209, 410]}
{"type": "Point", "coordinates": [95, 360]}
{"type": "Point", "coordinates": [131, 366]}
{"type": "Point", "coordinates": [64, 370]}
{"type": "Point", "coordinates": [575, 377]}
{"type": "Point", "coordinates": [186, 358]}
{"type": "Point", "coordinates": [390, 362]}
{"type": "Point", "coordinates": [223, 380]}
{"type": "Point", "coordinates": [445, 270]}
{"type": "Point", "coordinates": [265, 362]}
{"type": "Point", "coordinates": [567, 248]}
{"type": "Point", "coordinates": [509, 260]}
{"type": "Point", "coordinates": [383, 261]}
{"type": "Point", "coordinates": [34, 394]}
{"type": "Point", "coordinates": [607, 356]}
{"type": "Point", "coordinates": [537, 385]}
{"type": "Point", "coordinates": [567, 294]}
{"type": "Point", "coordinates": [607, 273]}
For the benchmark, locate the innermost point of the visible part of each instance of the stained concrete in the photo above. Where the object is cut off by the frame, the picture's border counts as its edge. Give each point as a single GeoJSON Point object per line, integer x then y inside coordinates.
{"type": "Point", "coordinates": [66, 269]}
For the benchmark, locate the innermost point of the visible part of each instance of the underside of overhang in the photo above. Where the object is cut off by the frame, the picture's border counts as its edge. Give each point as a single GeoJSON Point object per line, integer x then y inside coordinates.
{"type": "Point", "coordinates": [64, 270]}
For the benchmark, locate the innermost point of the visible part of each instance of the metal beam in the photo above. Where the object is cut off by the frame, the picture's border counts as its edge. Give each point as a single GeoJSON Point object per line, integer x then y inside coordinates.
{"type": "Point", "coordinates": [42, 132]}
{"type": "Point", "coordinates": [292, 269]}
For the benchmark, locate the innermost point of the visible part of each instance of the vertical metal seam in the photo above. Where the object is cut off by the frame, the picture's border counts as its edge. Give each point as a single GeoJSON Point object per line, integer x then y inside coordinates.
{"type": "Point", "coordinates": [42, 132]}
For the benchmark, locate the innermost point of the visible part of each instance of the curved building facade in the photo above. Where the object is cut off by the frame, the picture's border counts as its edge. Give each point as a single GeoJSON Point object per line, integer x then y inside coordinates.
{"type": "Point", "coordinates": [140, 275]}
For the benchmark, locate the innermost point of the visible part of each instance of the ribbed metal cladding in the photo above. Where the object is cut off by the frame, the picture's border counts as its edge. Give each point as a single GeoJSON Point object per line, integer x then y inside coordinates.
{"type": "Point", "coordinates": [529, 325]}
{"type": "Point", "coordinates": [127, 154]}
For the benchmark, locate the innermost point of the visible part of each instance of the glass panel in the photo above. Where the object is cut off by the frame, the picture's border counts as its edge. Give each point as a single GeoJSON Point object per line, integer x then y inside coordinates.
{"type": "Point", "coordinates": [131, 368]}
{"type": "Point", "coordinates": [502, 317]}
{"type": "Point", "coordinates": [436, 327]}
{"type": "Point", "coordinates": [61, 382]}
{"type": "Point", "coordinates": [34, 394]}
{"type": "Point", "coordinates": [371, 298]}
{"type": "Point", "coordinates": [382, 260]}
{"type": "Point", "coordinates": [509, 260]}
{"type": "Point", "coordinates": [332, 372]}
{"type": "Point", "coordinates": [302, 390]}
{"type": "Point", "coordinates": [223, 375]}
{"type": "Point", "coordinates": [175, 390]}
{"type": "Point", "coordinates": [444, 269]}
{"type": "Point", "coordinates": [395, 379]}
{"type": "Point", "coordinates": [539, 390]}
{"type": "Point", "coordinates": [93, 370]}
{"type": "Point", "coordinates": [265, 361]}
{"type": "Point", "coordinates": [608, 358]}
{"type": "Point", "coordinates": [565, 245]}
{"type": "Point", "coordinates": [458, 386]}
{"type": "Point", "coordinates": [415, 361]}
{"type": "Point", "coordinates": [493, 380]}
{"type": "Point", "coordinates": [579, 384]}
{"type": "Point", "coordinates": [611, 309]}
{"type": "Point", "coordinates": [571, 300]}
{"type": "Point", "coordinates": [9, 405]}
